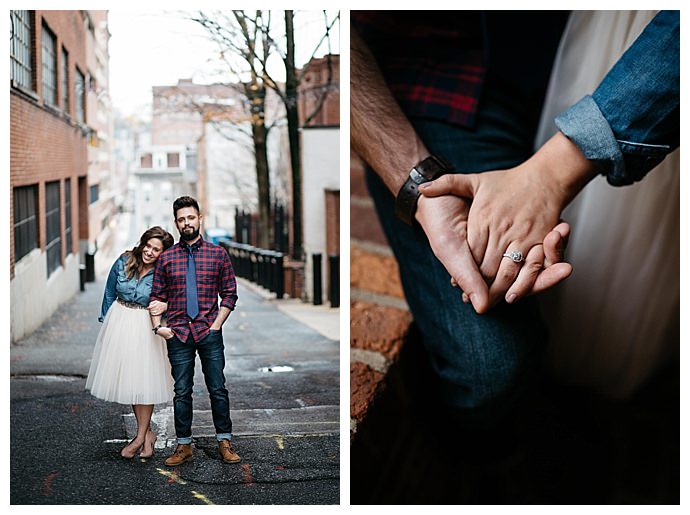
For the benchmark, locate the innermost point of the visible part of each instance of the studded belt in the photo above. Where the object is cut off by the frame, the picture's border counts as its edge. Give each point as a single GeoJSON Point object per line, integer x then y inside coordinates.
{"type": "Point", "coordinates": [132, 305]}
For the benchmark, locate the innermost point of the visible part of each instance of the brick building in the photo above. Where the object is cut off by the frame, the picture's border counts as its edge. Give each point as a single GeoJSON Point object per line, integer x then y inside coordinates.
{"type": "Point", "coordinates": [49, 185]}
{"type": "Point", "coordinates": [319, 115]}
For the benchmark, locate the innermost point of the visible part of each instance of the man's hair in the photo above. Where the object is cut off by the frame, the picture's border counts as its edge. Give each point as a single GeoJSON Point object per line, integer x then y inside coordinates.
{"type": "Point", "coordinates": [185, 201]}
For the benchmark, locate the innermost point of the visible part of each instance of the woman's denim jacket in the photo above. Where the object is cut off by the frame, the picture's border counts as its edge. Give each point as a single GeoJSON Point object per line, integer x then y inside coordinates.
{"type": "Point", "coordinates": [632, 120]}
{"type": "Point", "coordinates": [119, 286]}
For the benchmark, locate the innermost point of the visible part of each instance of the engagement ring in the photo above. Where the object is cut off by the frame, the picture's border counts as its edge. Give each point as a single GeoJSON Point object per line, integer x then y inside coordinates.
{"type": "Point", "coordinates": [515, 256]}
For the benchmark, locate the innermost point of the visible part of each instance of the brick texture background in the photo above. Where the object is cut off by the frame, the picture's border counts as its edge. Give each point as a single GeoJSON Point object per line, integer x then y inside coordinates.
{"type": "Point", "coordinates": [379, 317]}
{"type": "Point", "coordinates": [45, 144]}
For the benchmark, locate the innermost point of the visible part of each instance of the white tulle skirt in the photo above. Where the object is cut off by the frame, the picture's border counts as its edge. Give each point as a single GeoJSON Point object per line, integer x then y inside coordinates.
{"type": "Point", "coordinates": [130, 363]}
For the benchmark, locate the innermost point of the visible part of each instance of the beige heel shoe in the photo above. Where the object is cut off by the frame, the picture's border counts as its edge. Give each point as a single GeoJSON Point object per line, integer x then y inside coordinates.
{"type": "Point", "coordinates": [150, 447]}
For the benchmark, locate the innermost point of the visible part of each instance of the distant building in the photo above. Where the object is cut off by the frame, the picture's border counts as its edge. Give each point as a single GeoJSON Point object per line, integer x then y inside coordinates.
{"type": "Point", "coordinates": [103, 186]}
{"type": "Point", "coordinates": [319, 109]}
{"type": "Point", "coordinates": [200, 146]}
{"type": "Point", "coordinates": [50, 189]}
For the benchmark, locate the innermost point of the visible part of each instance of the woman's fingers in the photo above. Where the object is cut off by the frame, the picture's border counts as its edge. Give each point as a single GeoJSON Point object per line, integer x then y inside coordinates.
{"type": "Point", "coordinates": [527, 276]}
{"type": "Point", "coordinates": [555, 243]}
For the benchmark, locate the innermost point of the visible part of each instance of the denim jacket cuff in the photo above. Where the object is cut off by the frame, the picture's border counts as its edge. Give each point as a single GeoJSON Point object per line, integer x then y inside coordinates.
{"type": "Point", "coordinates": [585, 125]}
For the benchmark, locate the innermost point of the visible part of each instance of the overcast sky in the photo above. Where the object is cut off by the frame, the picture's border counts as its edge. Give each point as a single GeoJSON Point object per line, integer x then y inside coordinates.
{"type": "Point", "coordinates": [156, 48]}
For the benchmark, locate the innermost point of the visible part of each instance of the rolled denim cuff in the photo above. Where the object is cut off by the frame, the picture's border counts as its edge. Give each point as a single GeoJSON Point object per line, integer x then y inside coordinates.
{"type": "Point", "coordinates": [224, 436]}
{"type": "Point", "coordinates": [585, 125]}
{"type": "Point", "coordinates": [187, 440]}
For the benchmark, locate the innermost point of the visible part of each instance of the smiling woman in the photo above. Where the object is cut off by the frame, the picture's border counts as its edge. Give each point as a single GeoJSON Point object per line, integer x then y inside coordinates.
{"type": "Point", "coordinates": [129, 364]}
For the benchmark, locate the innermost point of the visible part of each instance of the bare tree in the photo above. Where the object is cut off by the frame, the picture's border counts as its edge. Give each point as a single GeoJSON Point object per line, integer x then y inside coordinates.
{"type": "Point", "coordinates": [246, 43]}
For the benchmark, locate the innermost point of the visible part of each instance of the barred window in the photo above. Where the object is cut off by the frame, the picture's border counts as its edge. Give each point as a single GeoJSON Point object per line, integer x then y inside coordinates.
{"type": "Point", "coordinates": [65, 81]}
{"type": "Point", "coordinates": [21, 63]}
{"type": "Point", "coordinates": [79, 95]}
{"type": "Point", "coordinates": [25, 220]}
{"type": "Point", "coordinates": [68, 217]}
{"type": "Point", "coordinates": [53, 233]}
{"type": "Point", "coordinates": [49, 62]}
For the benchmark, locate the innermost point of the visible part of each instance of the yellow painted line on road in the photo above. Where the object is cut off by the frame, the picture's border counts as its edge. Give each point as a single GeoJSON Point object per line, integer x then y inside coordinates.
{"type": "Point", "coordinates": [280, 442]}
{"type": "Point", "coordinates": [172, 476]}
{"type": "Point", "coordinates": [202, 497]}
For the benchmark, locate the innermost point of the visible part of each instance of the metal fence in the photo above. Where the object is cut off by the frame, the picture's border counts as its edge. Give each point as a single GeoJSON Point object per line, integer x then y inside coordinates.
{"type": "Point", "coordinates": [261, 266]}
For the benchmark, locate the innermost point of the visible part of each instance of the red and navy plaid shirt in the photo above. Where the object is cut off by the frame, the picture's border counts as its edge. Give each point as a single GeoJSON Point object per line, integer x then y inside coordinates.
{"type": "Point", "coordinates": [214, 277]}
{"type": "Point", "coordinates": [433, 62]}
{"type": "Point", "coordinates": [436, 63]}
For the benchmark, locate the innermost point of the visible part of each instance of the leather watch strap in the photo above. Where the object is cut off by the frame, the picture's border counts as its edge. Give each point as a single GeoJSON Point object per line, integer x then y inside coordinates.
{"type": "Point", "coordinates": [426, 170]}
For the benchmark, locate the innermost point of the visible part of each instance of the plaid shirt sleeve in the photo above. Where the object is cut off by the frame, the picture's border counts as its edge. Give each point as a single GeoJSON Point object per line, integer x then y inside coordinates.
{"type": "Point", "coordinates": [159, 290]}
{"type": "Point", "coordinates": [227, 285]}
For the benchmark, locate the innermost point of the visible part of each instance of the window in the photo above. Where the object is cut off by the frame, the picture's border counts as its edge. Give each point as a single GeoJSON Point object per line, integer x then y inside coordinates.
{"type": "Point", "coordinates": [49, 61]}
{"type": "Point", "coordinates": [93, 194]}
{"type": "Point", "coordinates": [65, 81]}
{"type": "Point", "coordinates": [146, 161]}
{"type": "Point", "coordinates": [25, 220]}
{"type": "Point", "coordinates": [68, 217]}
{"type": "Point", "coordinates": [79, 95]}
{"type": "Point", "coordinates": [173, 160]}
{"type": "Point", "coordinates": [21, 63]}
{"type": "Point", "coordinates": [53, 232]}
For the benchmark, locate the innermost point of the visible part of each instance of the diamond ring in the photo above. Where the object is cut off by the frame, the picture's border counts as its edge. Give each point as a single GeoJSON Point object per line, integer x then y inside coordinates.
{"type": "Point", "coordinates": [515, 256]}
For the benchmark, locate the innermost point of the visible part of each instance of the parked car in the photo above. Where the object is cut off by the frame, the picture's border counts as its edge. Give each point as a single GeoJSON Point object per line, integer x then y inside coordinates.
{"type": "Point", "coordinates": [215, 234]}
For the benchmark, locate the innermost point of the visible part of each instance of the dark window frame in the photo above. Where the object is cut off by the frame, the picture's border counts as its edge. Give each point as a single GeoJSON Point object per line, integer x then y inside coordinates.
{"type": "Point", "coordinates": [68, 217]}
{"type": "Point", "coordinates": [93, 193]}
{"type": "Point", "coordinates": [53, 227]}
{"type": "Point", "coordinates": [25, 200]}
{"type": "Point", "coordinates": [21, 55]}
{"type": "Point", "coordinates": [49, 66]}
{"type": "Point", "coordinates": [79, 95]}
{"type": "Point", "coordinates": [65, 81]}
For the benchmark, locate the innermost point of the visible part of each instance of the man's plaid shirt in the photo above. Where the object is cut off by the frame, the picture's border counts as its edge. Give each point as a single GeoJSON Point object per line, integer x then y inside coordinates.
{"type": "Point", "coordinates": [433, 61]}
{"type": "Point", "coordinates": [214, 277]}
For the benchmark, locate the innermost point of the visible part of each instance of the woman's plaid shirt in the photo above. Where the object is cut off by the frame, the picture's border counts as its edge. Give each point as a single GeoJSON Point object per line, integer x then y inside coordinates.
{"type": "Point", "coordinates": [214, 277]}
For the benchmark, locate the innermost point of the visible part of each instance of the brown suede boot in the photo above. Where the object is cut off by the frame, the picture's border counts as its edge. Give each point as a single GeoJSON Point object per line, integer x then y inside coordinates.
{"type": "Point", "coordinates": [182, 453]}
{"type": "Point", "coordinates": [226, 452]}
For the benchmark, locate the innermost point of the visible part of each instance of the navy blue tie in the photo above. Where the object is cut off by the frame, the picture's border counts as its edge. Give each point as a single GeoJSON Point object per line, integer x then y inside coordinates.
{"type": "Point", "coordinates": [192, 299]}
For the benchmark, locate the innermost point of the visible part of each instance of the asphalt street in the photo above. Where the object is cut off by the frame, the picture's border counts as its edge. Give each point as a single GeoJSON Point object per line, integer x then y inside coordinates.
{"type": "Point", "coordinates": [283, 379]}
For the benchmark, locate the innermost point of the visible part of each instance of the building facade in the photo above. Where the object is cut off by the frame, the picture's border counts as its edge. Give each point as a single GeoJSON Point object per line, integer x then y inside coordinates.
{"type": "Point", "coordinates": [49, 184]}
{"type": "Point", "coordinates": [102, 182]}
{"type": "Point", "coordinates": [319, 108]}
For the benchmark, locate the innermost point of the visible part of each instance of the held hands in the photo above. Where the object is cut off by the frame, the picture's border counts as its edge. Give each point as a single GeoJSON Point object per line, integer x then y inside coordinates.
{"type": "Point", "coordinates": [444, 219]}
{"type": "Point", "coordinates": [157, 308]}
{"type": "Point", "coordinates": [165, 333]}
{"type": "Point", "coordinates": [511, 210]}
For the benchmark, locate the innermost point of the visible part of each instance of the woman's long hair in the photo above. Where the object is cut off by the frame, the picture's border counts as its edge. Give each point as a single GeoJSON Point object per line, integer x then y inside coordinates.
{"type": "Point", "coordinates": [135, 264]}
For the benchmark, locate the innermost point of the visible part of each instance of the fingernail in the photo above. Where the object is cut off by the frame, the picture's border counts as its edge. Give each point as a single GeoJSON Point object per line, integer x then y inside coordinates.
{"type": "Point", "coordinates": [511, 298]}
{"type": "Point", "coordinates": [465, 298]}
{"type": "Point", "coordinates": [423, 186]}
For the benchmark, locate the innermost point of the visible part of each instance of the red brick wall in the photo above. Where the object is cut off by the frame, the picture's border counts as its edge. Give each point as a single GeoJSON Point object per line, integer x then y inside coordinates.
{"type": "Point", "coordinates": [45, 145]}
{"type": "Point", "coordinates": [379, 318]}
{"type": "Point", "coordinates": [315, 87]}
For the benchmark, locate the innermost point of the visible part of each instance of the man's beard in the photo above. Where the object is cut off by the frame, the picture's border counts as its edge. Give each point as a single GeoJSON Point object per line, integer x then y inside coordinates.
{"type": "Point", "coordinates": [189, 236]}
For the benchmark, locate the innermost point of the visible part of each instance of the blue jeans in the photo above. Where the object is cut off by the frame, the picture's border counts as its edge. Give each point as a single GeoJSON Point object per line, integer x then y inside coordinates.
{"type": "Point", "coordinates": [477, 358]}
{"type": "Point", "coordinates": [182, 356]}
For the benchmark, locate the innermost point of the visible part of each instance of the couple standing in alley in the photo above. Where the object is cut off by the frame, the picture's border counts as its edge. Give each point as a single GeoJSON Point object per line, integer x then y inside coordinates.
{"type": "Point", "coordinates": [129, 366]}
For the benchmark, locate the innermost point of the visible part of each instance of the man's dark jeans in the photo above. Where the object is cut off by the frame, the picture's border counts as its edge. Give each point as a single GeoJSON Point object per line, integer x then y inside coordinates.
{"type": "Point", "coordinates": [182, 356]}
{"type": "Point", "coordinates": [477, 358]}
